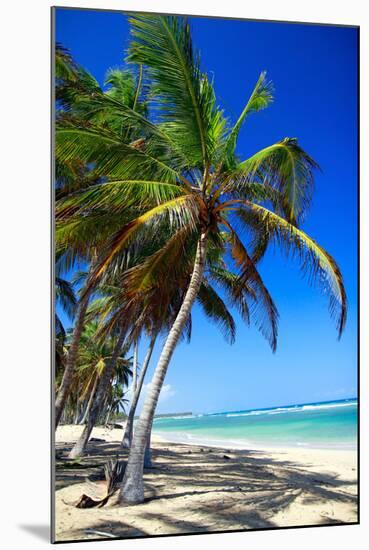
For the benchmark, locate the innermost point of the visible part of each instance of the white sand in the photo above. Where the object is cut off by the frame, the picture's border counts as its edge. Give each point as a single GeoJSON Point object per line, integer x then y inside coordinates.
{"type": "Point", "coordinates": [195, 489]}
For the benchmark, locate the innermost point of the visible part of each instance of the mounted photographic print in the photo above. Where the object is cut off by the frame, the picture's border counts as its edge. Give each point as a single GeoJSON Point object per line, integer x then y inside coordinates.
{"type": "Point", "coordinates": [205, 175]}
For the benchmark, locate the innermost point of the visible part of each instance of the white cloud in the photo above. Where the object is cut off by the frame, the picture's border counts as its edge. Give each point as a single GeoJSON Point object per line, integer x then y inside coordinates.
{"type": "Point", "coordinates": [166, 393]}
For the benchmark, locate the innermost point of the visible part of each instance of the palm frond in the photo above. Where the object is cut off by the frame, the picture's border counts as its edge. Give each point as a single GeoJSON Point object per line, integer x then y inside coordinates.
{"type": "Point", "coordinates": [231, 284]}
{"type": "Point", "coordinates": [314, 260]}
{"type": "Point", "coordinates": [124, 87]}
{"type": "Point", "coordinates": [216, 310]}
{"type": "Point", "coordinates": [65, 67]}
{"type": "Point", "coordinates": [184, 97]}
{"type": "Point", "coordinates": [110, 156]}
{"type": "Point", "coordinates": [286, 167]}
{"type": "Point", "coordinates": [264, 311]}
{"type": "Point", "coordinates": [65, 296]}
{"type": "Point", "coordinates": [118, 197]}
{"type": "Point", "coordinates": [127, 123]}
{"type": "Point", "coordinates": [260, 98]}
{"type": "Point", "coordinates": [171, 262]}
{"type": "Point", "coordinates": [180, 211]}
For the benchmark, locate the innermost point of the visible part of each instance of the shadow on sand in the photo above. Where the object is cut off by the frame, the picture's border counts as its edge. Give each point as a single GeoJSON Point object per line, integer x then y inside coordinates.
{"type": "Point", "coordinates": [237, 489]}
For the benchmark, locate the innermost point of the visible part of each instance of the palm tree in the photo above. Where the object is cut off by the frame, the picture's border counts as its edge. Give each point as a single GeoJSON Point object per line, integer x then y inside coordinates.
{"type": "Point", "coordinates": [80, 445]}
{"type": "Point", "coordinates": [72, 88]}
{"type": "Point", "coordinates": [193, 184]}
{"type": "Point", "coordinates": [106, 358]}
{"type": "Point", "coordinates": [128, 430]}
{"type": "Point", "coordinates": [94, 357]}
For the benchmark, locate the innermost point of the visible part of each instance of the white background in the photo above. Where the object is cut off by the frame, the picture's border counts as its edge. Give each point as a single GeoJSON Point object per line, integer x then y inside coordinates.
{"type": "Point", "coordinates": [25, 271]}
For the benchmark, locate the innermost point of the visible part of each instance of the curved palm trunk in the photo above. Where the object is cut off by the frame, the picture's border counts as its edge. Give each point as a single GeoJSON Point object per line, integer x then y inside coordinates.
{"type": "Point", "coordinates": [70, 363]}
{"type": "Point", "coordinates": [147, 455]}
{"type": "Point", "coordinates": [135, 365]}
{"type": "Point", "coordinates": [81, 444]}
{"type": "Point", "coordinates": [90, 401]}
{"type": "Point", "coordinates": [128, 432]}
{"type": "Point", "coordinates": [132, 489]}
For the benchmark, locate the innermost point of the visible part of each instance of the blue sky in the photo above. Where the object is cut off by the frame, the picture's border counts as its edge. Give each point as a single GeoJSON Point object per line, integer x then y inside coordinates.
{"type": "Point", "coordinates": [314, 71]}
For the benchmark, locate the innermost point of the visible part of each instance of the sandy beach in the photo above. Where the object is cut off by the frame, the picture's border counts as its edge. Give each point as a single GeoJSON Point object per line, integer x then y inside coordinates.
{"type": "Point", "coordinates": [196, 488]}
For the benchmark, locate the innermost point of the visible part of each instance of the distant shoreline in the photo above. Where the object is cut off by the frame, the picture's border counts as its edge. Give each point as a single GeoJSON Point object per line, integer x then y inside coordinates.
{"type": "Point", "coordinates": [257, 409]}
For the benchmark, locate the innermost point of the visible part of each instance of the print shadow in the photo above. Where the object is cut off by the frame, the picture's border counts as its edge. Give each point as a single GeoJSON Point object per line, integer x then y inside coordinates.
{"type": "Point", "coordinates": [42, 532]}
{"type": "Point", "coordinates": [103, 530]}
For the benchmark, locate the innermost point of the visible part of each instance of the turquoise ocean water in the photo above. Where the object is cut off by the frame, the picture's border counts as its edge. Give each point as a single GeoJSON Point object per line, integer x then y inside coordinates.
{"type": "Point", "coordinates": [319, 425]}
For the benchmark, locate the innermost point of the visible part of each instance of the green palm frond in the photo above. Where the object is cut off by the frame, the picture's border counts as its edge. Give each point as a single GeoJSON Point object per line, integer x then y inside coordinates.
{"type": "Point", "coordinates": [79, 236]}
{"type": "Point", "coordinates": [180, 212]}
{"type": "Point", "coordinates": [260, 98]}
{"type": "Point", "coordinates": [128, 124]}
{"type": "Point", "coordinates": [125, 88]}
{"type": "Point", "coordinates": [65, 296]}
{"type": "Point", "coordinates": [231, 284]}
{"type": "Point", "coordinates": [119, 197]}
{"type": "Point", "coordinates": [264, 311]}
{"type": "Point", "coordinates": [286, 167]}
{"type": "Point", "coordinates": [171, 262]}
{"type": "Point", "coordinates": [320, 265]}
{"type": "Point", "coordinates": [216, 310]}
{"type": "Point", "coordinates": [65, 67]}
{"type": "Point", "coordinates": [110, 156]}
{"type": "Point", "coordinates": [183, 96]}
{"type": "Point", "coordinates": [69, 91]}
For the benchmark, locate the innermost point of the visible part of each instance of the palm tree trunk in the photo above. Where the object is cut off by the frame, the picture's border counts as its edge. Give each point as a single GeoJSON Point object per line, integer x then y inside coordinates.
{"type": "Point", "coordinates": [76, 412]}
{"type": "Point", "coordinates": [105, 378]}
{"type": "Point", "coordinates": [128, 432]}
{"type": "Point", "coordinates": [90, 401]}
{"type": "Point", "coordinates": [107, 417]}
{"type": "Point", "coordinates": [135, 364]}
{"type": "Point", "coordinates": [147, 455]}
{"type": "Point", "coordinates": [105, 408]}
{"type": "Point", "coordinates": [132, 489]}
{"type": "Point", "coordinates": [71, 360]}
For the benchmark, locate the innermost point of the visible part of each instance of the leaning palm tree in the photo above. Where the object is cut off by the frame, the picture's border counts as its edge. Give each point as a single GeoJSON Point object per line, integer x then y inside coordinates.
{"type": "Point", "coordinates": [153, 310]}
{"type": "Point", "coordinates": [185, 175]}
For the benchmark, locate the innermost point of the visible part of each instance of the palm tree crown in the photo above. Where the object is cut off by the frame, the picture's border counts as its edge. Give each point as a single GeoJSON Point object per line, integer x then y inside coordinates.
{"type": "Point", "coordinates": [190, 177]}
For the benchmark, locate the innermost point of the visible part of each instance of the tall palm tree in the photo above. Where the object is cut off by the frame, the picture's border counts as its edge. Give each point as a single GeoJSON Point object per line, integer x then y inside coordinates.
{"type": "Point", "coordinates": [192, 182]}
